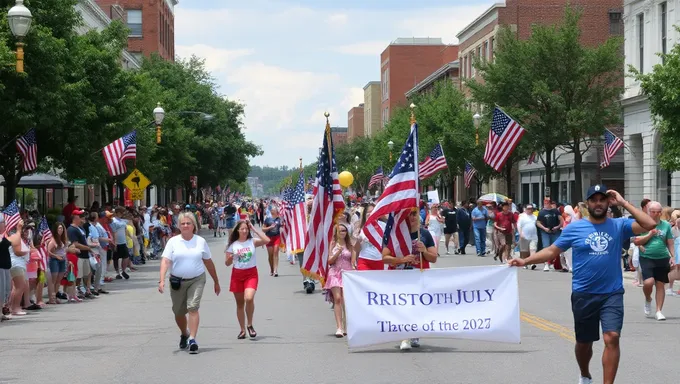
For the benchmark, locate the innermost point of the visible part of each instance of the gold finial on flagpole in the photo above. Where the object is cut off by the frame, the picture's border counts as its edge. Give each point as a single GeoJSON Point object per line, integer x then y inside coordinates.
{"type": "Point", "coordinates": [413, 114]}
{"type": "Point", "coordinates": [301, 163]}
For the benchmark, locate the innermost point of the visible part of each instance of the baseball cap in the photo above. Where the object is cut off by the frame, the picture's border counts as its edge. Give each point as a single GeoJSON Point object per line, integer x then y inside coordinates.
{"type": "Point", "coordinates": [595, 189]}
{"type": "Point", "coordinates": [105, 214]}
{"type": "Point", "coordinates": [529, 206]}
{"type": "Point", "coordinates": [78, 212]}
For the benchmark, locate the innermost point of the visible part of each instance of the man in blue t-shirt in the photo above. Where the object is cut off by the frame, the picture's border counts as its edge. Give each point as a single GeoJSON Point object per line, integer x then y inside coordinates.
{"type": "Point", "coordinates": [597, 283]}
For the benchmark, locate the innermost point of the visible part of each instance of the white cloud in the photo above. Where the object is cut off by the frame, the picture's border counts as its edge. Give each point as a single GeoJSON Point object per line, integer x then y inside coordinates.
{"type": "Point", "coordinates": [353, 97]}
{"type": "Point", "coordinates": [337, 19]}
{"type": "Point", "coordinates": [364, 48]}
{"type": "Point", "coordinates": [444, 23]}
{"type": "Point", "coordinates": [215, 58]}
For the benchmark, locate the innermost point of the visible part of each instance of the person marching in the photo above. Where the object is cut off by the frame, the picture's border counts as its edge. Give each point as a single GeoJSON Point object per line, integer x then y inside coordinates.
{"type": "Point", "coordinates": [187, 257]}
{"type": "Point", "coordinates": [272, 227]}
{"type": "Point", "coordinates": [244, 278]}
{"type": "Point", "coordinates": [340, 259]}
{"type": "Point", "coordinates": [597, 283]}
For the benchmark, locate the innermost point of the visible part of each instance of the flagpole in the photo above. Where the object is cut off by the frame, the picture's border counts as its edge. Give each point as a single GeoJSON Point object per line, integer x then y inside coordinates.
{"type": "Point", "coordinates": [413, 121]}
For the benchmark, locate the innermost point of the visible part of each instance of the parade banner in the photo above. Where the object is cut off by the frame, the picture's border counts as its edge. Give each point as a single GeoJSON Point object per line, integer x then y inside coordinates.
{"type": "Point", "coordinates": [474, 303]}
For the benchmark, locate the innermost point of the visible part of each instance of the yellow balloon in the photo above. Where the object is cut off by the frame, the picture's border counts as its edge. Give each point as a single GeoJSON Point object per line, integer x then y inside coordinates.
{"type": "Point", "coordinates": [346, 179]}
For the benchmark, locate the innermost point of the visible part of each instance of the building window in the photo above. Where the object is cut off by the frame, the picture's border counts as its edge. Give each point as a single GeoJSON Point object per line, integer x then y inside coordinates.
{"type": "Point", "coordinates": [472, 64]}
{"type": "Point", "coordinates": [615, 23]}
{"type": "Point", "coordinates": [464, 67]}
{"type": "Point", "coordinates": [641, 42]}
{"type": "Point", "coordinates": [487, 54]}
{"type": "Point", "coordinates": [134, 22]}
{"type": "Point", "coordinates": [664, 27]}
{"type": "Point", "coordinates": [491, 47]}
{"type": "Point", "coordinates": [387, 83]}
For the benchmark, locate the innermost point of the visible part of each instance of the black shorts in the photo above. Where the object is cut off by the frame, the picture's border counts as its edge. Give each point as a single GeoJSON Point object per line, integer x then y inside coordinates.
{"type": "Point", "coordinates": [656, 269]}
{"type": "Point", "coordinates": [590, 310]}
{"type": "Point", "coordinates": [122, 252]}
{"type": "Point", "coordinates": [450, 230]}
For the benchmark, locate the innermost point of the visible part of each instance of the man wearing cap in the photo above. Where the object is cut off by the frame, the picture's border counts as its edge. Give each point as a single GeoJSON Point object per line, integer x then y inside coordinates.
{"type": "Point", "coordinates": [76, 235]}
{"type": "Point", "coordinates": [597, 283]}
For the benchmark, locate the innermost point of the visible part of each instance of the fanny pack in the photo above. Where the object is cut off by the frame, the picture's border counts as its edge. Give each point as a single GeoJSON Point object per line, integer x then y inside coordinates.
{"type": "Point", "coordinates": [175, 282]}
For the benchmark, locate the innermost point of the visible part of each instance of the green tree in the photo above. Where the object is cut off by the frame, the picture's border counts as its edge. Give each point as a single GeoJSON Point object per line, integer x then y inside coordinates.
{"type": "Point", "coordinates": [70, 92]}
{"type": "Point", "coordinates": [563, 92]}
{"type": "Point", "coordinates": [661, 86]}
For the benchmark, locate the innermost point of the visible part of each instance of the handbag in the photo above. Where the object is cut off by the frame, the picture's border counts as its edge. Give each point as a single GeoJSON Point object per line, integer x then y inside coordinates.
{"type": "Point", "coordinates": [71, 277]}
{"type": "Point", "coordinates": [175, 282]}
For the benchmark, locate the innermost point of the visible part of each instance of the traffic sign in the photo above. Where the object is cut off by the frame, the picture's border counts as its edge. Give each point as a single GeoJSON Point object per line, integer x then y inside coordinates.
{"type": "Point", "coordinates": [136, 182]}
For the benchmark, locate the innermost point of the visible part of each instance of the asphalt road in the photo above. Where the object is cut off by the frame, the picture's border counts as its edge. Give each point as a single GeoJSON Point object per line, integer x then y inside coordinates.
{"type": "Point", "coordinates": [130, 337]}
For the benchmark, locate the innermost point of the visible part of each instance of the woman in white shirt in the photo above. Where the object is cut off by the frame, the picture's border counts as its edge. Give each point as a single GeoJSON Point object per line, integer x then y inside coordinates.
{"type": "Point", "coordinates": [528, 236]}
{"type": "Point", "coordinates": [366, 256]}
{"type": "Point", "coordinates": [187, 257]}
{"type": "Point", "coordinates": [19, 253]}
{"type": "Point", "coordinates": [244, 278]}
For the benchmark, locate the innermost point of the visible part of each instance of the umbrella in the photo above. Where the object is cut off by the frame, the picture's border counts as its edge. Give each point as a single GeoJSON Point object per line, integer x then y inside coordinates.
{"type": "Point", "coordinates": [493, 197]}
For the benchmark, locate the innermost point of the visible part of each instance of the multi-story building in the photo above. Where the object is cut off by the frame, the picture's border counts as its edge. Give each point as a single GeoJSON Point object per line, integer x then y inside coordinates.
{"type": "Point", "coordinates": [339, 135]}
{"type": "Point", "coordinates": [649, 30]}
{"type": "Point", "coordinates": [372, 108]}
{"type": "Point", "coordinates": [405, 63]}
{"type": "Point", "coordinates": [600, 20]}
{"type": "Point", "coordinates": [151, 24]}
{"type": "Point", "coordinates": [355, 122]}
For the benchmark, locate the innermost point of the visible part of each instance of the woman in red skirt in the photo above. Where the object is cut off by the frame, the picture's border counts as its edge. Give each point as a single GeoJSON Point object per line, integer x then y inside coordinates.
{"type": "Point", "coordinates": [244, 277]}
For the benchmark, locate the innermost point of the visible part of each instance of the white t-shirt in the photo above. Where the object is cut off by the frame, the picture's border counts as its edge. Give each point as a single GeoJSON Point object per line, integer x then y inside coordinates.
{"type": "Point", "coordinates": [244, 254]}
{"type": "Point", "coordinates": [368, 250]}
{"type": "Point", "coordinates": [187, 256]}
{"type": "Point", "coordinates": [527, 223]}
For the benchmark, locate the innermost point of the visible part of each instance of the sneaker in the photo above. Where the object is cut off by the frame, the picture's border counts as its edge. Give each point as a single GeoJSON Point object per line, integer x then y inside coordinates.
{"type": "Point", "coordinates": [670, 292]}
{"type": "Point", "coordinates": [193, 347]}
{"type": "Point", "coordinates": [183, 341]}
{"type": "Point", "coordinates": [585, 380]}
{"type": "Point", "coordinates": [415, 343]}
{"type": "Point", "coordinates": [648, 308]}
{"type": "Point", "coordinates": [546, 268]}
{"type": "Point", "coordinates": [405, 345]}
{"type": "Point", "coordinates": [125, 275]}
{"type": "Point", "coordinates": [660, 316]}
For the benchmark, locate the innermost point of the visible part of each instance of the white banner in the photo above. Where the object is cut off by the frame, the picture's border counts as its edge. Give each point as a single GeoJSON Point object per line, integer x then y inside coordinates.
{"type": "Point", "coordinates": [476, 303]}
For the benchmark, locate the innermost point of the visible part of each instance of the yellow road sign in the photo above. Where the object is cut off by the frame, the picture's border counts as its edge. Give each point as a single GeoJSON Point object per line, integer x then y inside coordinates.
{"type": "Point", "coordinates": [136, 182]}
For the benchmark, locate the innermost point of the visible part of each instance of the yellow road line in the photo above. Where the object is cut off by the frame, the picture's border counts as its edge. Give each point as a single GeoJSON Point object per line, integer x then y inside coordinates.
{"type": "Point", "coordinates": [549, 326]}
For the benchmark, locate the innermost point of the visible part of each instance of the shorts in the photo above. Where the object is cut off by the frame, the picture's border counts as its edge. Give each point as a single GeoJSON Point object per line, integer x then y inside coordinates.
{"type": "Point", "coordinates": [503, 239]}
{"type": "Point", "coordinates": [590, 310]}
{"type": "Point", "coordinates": [526, 245]}
{"type": "Point", "coordinates": [450, 230]}
{"type": "Point", "coordinates": [17, 272]}
{"type": "Point", "coordinates": [122, 252]}
{"type": "Point", "coordinates": [231, 223]}
{"type": "Point", "coordinates": [188, 297]}
{"type": "Point", "coordinates": [84, 268]}
{"type": "Point", "coordinates": [370, 265]}
{"type": "Point", "coordinates": [656, 269]}
{"type": "Point", "coordinates": [241, 279]}
{"type": "Point", "coordinates": [57, 266]}
{"type": "Point", "coordinates": [274, 241]}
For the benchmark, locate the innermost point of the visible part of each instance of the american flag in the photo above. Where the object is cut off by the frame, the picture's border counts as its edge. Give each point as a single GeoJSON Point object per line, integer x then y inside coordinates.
{"type": "Point", "coordinates": [327, 204]}
{"type": "Point", "coordinates": [532, 158]}
{"type": "Point", "coordinates": [435, 162]}
{"type": "Point", "coordinates": [612, 144]}
{"type": "Point", "coordinates": [469, 173]}
{"type": "Point", "coordinates": [377, 178]}
{"type": "Point", "coordinates": [12, 215]}
{"type": "Point", "coordinates": [46, 235]}
{"type": "Point", "coordinates": [400, 196]}
{"type": "Point", "coordinates": [296, 217]}
{"type": "Point", "coordinates": [28, 147]}
{"type": "Point", "coordinates": [120, 150]}
{"type": "Point", "coordinates": [504, 136]}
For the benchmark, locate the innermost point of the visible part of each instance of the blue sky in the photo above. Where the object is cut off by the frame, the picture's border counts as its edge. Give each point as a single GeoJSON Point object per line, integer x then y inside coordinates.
{"type": "Point", "coordinates": [289, 61]}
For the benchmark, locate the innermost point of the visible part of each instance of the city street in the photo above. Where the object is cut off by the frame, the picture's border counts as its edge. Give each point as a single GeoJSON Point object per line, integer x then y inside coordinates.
{"type": "Point", "coordinates": [129, 336]}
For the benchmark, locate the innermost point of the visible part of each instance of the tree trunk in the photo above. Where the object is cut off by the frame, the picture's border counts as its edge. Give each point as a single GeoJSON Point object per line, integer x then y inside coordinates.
{"type": "Point", "coordinates": [578, 179]}
{"type": "Point", "coordinates": [548, 167]}
{"type": "Point", "coordinates": [508, 177]}
{"type": "Point", "coordinates": [11, 180]}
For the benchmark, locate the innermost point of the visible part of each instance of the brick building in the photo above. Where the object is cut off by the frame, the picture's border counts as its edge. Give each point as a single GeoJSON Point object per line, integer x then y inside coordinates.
{"type": "Point", "coordinates": [405, 63]}
{"type": "Point", "coordinates": [355, 122]}
{"type": "Point", "coordinates": [339, 135]}
{"type": "Point", "coordinates": [151, 23]}
{"type": "Point", "coordinates": [372, 108]}
{"type": "Point", "coordinates": [600, 20]}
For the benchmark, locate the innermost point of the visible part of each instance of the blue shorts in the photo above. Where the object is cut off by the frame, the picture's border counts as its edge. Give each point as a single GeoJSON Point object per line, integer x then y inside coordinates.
{"type": "Point", "coordinates": [590, 310]}
{"type": "Point", "coordinates": [57, 266]}
{"type": "Point", "coordinates": [231, 223]}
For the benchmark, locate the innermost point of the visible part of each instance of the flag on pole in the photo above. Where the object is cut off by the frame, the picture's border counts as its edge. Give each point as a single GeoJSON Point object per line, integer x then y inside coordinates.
{"type": "Point", "coordinates": [296, 217]}
{"type": "Point", "coordinates": [532, 158]}
{"type": "Point", "coordinates": [377, 178]}
{"type": "Point", "coordinates": [44, 231]}
{"type": "Point", "coordinates": [469, 173]}
{"type": "Point", "coordinates": [400, 196]}
{"type": "Point", "coordinates": [27, 146]}
{"type": "Point", "coordinates": [435, 162]}
{"type": "Point", "coordinates": [120, 150]}
{"type": "Point", "coordinates": [612, 144]}
{"type": "Point", "coordinates": [327, 204]}
{"type": "Point", "coordinates": [504, 136]}
{"type": "Point", "coordinates": [12, 215]}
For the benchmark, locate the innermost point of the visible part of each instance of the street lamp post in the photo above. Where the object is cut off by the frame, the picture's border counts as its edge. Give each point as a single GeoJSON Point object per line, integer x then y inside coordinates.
{"type": "Point", "coordinates": [158, 116]}
{"type": "Point", "coordinates": [19, 18]}
{"type": "Point", "coordinates": [390, 145]}
{"type": "Point", "coordinates": [477, 118]}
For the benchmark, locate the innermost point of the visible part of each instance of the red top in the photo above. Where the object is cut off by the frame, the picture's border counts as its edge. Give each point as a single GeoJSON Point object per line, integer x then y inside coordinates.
{"type": "Point", "coordinates": [505, 220]}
